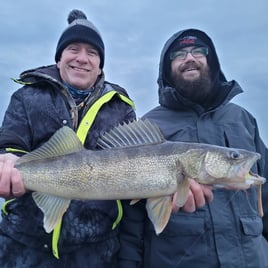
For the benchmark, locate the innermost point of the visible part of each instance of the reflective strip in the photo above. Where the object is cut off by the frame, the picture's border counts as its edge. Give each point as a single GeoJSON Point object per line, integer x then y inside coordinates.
{"type": "Point", "coordinates": [21, 82]}
{"type": "Point", "coordinates": [55, 239]}
{"type": "Point", "coordinates": [90, 116]}
{"type": "Point", "coordinates": [5, 205]}
{"type": "Point", "coordinates": [82, 131]}
{"type": "Point", "coordinates": [120, 214]}
{"type": "Point", "coordinates": [12, 150]}
{"type": "Point", "coordinates": [127, 100]}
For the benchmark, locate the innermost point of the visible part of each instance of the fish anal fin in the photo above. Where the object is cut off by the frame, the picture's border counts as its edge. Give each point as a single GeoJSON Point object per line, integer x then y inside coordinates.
{"type": "Point", "coordinates": [159, 210]}
{"type": "Point", "coordinates": [53, 208]}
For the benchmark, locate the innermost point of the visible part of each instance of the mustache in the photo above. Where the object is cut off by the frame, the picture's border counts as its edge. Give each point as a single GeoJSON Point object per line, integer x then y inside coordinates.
{"type": "Point", "coordinates": [189, 65]}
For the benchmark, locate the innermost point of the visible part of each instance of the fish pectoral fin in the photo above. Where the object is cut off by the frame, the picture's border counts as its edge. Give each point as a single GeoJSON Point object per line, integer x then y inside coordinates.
{"type": "Point", "coordinates": [182, 192]}
{"type": "Point", "coordinates": [159, 210]}
{"type": "Point", "coordinates": [134, 201]}
{"type": "Point", "coordinates": [53, 208]}
{"type": "Point", "coordinates": [64, 141]}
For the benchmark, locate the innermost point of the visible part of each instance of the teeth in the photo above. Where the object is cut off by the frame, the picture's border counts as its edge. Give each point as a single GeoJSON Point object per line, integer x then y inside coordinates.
{"type": "Point", "coordinates": [80, 69]}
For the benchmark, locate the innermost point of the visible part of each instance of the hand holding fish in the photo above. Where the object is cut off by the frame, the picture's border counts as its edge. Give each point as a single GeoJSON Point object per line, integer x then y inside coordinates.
{"type": "Point", "coordinates": [198, 196]}
{"type": "Point", "coordinates": [11, 184]}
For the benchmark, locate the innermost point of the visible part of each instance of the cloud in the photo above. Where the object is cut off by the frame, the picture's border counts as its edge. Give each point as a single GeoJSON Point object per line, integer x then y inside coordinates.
{"type": "Point", "coordinates": [134, 33]}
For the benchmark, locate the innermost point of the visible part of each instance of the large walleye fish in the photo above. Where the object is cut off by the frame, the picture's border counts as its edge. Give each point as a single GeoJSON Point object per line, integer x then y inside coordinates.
{"type": "Point", "coordinates": [136, 163]}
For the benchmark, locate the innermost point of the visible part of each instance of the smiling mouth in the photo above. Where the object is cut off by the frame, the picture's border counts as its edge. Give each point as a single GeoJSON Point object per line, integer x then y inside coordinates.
{"type": "Point", "coordinates": [79, 69]}
{"type": "Point", "coordinates": [190, 69]}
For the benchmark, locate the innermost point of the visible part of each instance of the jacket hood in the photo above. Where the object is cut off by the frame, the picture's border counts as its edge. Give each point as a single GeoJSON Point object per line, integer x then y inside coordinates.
{"type": "Point", "coordinates": [217, 75]}
{"type": "Point", "coordinates": [34, 75]}
{"type": "Point", "coordinates": [164, 67]}
{"type": "Point", "coordinates": [49, 73]}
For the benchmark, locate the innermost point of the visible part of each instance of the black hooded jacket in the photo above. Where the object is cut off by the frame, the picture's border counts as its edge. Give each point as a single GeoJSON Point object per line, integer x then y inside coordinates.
{"type": "Point", "coordinates": [226, 233]}
{"type": "Point", "coordinates": [36, 111]}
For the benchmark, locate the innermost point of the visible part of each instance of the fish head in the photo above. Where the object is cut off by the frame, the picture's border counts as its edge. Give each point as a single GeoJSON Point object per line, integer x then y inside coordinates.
{"type": "Point", "coordinates": [221, 166]}
{"type": "Point", "coordinates": [229, 168]}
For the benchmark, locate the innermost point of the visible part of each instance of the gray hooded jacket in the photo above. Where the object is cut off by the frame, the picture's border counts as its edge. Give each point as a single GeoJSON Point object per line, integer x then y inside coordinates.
{"type": "Point", "coordinates": [227, 232]}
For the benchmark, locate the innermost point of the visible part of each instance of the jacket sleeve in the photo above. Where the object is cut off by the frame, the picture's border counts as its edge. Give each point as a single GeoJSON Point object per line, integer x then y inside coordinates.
{"type": "Point", "coordinates": [131, 235]}
{"type": "Point", "coordinates": [14, 132]}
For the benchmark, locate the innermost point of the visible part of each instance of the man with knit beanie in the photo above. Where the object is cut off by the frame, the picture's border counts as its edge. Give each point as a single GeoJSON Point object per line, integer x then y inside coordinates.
{"type": "Point", "coordinates": [221, 228]}
{"type": "Point", "coordinates": [73, 92]}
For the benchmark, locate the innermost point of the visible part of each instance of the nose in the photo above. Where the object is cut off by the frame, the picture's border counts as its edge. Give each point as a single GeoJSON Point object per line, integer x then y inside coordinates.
{"type": "Point", "coordinates": [189, 56]}
{"type": "Point", "coordinates": [82, 56]}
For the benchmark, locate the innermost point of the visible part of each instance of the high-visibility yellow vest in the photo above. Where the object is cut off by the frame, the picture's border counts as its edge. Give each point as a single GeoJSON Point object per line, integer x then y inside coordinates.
{"type": "Point", "coordinates": [81, 132]}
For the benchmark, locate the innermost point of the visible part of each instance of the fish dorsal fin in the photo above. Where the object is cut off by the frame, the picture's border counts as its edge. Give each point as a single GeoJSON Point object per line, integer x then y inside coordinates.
{"type": "Point", "coordinates": [64, 141]}
{"type": "Point", "coordinates": [134, 133]}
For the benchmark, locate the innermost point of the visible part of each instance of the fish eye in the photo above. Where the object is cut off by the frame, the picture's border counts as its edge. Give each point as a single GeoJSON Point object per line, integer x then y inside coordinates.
{"type": "Point", "coordinates": [234, 154]}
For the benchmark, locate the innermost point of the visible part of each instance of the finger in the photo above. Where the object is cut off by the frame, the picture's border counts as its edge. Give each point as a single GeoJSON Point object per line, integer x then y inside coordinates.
{"type": "Point", "coordinates": [5, 171]}
{"type": "Point", "coordinates": [2, 158]}
{"type": "Point", "coordinates": [190, 203]}
{"type": "Point", "coordinates": [198, 194]}
{"type": "Point", "coordinates": [175, 208]}
{"type": "Point", "coordinates": [17, 183]}
{"type": "Point", "coordinates": [207, 190]}
{"type": "Point", "coordinates": [8, 156]}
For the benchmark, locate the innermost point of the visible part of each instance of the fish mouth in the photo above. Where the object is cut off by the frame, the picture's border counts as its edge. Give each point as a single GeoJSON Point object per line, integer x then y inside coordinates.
{"type": "Point", "coordinates": [247, 178]}
{"type": "Point", "coordinates": [239, 176]}
{"type": "Point", "coordinates": [245, 175]}
{"type": "Point", "coordinates": [250, 180]}
{"type": "Point", "coordinates": [254, 179]}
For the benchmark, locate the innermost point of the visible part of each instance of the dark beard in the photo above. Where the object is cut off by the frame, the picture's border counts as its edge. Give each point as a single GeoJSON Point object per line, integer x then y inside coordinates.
{"type": "Point", "coordinates": [198, 90]}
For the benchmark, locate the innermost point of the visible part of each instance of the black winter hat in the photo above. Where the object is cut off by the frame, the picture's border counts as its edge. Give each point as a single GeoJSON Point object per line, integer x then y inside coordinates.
{"type": "Point", "coordinates": [80, 30]}
{"type": "Point", "coordinates": [187, 41]}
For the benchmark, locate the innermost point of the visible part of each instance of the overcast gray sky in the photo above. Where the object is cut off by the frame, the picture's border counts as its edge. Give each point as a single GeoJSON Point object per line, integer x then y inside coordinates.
{"type": "Point", "coordinates": [134, 33]}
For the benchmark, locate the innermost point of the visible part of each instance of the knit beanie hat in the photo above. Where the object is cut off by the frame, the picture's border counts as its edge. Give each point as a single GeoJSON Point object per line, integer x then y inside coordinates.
{"type": "Point", "coordinates": [80, 30]}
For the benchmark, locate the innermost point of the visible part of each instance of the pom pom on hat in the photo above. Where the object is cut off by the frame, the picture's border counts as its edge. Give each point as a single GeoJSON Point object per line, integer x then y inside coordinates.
{"type": "Point", "coordinates": [76, 14]}
{"type": "Point", "coordinates": [80, 30]}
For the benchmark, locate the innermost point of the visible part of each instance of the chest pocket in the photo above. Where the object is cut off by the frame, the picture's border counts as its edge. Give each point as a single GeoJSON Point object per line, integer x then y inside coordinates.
{"type": "Point", "coordinates": [251, 225]}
